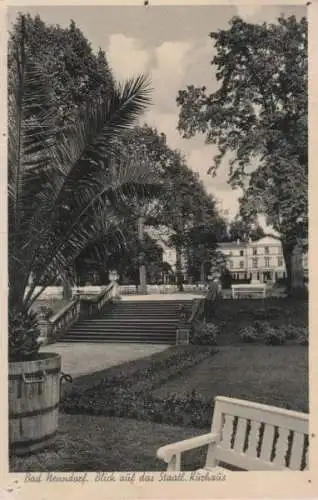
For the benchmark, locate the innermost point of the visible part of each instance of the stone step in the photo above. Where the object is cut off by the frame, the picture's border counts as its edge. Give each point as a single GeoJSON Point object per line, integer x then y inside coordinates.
{"type": "Point", "coordinates": [130, 321]}
{"type": "Point", "coordinates": [117, 340]}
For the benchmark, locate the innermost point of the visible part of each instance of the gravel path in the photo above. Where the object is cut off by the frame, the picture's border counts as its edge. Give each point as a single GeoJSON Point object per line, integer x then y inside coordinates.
{"type": "Point", "coordinates": [84, 358]}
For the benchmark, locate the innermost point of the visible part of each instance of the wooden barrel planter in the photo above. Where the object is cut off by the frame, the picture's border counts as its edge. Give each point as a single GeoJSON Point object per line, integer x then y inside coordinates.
{"type": "Point", "coordinates": [34, 394]}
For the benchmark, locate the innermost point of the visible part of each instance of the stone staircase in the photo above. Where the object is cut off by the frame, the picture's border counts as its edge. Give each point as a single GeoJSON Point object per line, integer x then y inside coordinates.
{"type": "Point", "coordinates": [130, 321]}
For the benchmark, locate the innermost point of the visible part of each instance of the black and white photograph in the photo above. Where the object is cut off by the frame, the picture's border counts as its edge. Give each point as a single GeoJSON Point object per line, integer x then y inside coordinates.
{"type": "Point", "coordinates": [157, 241]}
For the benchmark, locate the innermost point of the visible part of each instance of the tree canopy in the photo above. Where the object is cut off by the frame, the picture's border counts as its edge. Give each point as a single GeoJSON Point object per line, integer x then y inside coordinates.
{"type": "Point", "coordinates": [76, 74]}
{"type": "Point", "coordinates": [258, 117]}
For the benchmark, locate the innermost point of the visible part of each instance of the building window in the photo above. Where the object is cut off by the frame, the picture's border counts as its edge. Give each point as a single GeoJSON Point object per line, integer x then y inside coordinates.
{"type": "Point", "coordinates": [231, 264]}
{"type": "Point", "coordinates": [254, 262]}
{"type": "Point", "coordinates": [241, 264]}
{"type": "Point", "coordinates": [254, 251]}
{"type": "Point", "coordinates": [266, 250]}
{"type": "Point", "coordinates": [266, 261]}
{"type": "Point", "coordinates": [280, 262]}
{"type": "Point", "coordinates": [241, 253]}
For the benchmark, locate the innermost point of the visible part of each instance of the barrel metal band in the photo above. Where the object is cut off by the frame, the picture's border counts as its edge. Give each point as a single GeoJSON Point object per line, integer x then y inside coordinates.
{"type": "Point", "coordinates": [34, 413]}
{"type": "Point", "coordinates": [31, 442]}
{"type": "Point", "coordinates": [49, 371]}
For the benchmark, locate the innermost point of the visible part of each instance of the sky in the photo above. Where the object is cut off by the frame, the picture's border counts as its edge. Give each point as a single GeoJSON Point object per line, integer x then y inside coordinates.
{"type": "Point", "coordinates": [172, 45]}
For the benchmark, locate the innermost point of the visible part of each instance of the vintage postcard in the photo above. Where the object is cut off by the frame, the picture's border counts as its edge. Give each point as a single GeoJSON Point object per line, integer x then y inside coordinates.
{"type": "Point", "coordinates": [157, 339]}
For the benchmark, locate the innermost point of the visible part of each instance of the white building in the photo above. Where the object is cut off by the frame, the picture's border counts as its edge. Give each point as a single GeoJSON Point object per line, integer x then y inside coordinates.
{"type": "Point", "coordinates": [261, 260]}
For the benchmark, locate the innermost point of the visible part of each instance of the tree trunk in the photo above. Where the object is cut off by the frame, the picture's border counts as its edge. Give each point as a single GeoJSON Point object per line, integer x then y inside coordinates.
{"type": "Point", "coordinates": [179, 269]}
{"type": "Point", "coordinates": [142, 267]}
{"type": "Point", "coordinates": [103, 275]}
{"type": "Point", "coordinates": [202, 272]}
{"type": "Point", "coordinates": [294, 267]}
{"type": "Point", "coordinates": [297, 270]}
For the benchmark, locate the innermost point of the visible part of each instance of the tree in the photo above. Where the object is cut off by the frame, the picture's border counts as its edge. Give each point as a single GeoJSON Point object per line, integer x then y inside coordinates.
{"type": "Point", "coordinates": [258, 115]}
{"type": "Point", "coordinates": [119, 249]}
{"type": "Point", "coordinates": [201, 248]}
{"type": "Point", "coordinates": [184, 206]}
{"type": "Point", "coordinates": [145, 146]}
{"type": "Point", "coordinates": [241, 229]}
{"type": "Point", "coordinates": [77, 76]}
{"type": "Point", "coordinates": [62, 191]}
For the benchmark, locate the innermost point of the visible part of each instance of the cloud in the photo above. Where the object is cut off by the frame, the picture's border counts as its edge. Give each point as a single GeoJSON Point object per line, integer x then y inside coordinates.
{"type": "Point", "coordinates": [200, 160]}
{"type": "Point", "coordinates": [199, 70]}
{"type": "Point", "coordinates": [249, 12]}
{"type": "Point", "coordinates": [166, 123]}
{"type": "Point", "coordinates": [127, 57]}
{"type": "Point", "coordinates": [168, 73]}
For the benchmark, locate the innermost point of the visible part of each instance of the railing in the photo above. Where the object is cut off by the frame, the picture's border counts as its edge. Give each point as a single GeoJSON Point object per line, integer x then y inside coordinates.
{"type": "Point", "coordinates": [63, 319]}
{"type": "Point", "coordinates": [90, 306]}
{"type": "Point", "coordinates": [161, 289]}
{"type": "Point", "coordinates": [80, 306]}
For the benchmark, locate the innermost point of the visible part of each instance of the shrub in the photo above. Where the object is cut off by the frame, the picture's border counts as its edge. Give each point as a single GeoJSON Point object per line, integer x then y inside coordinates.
{"type": "Point", "coordinates": [292, 331]}
{"type": "Point", "coordinates": [274, 336]}
{"type": "Point", "coordinates": [302, 336]}
{"type": "Point", "coordinates": [249, 334]}
{"type": "Point", "coordinates": [262, 327]}
{"type": "Point", "coordinates": [205, 334]}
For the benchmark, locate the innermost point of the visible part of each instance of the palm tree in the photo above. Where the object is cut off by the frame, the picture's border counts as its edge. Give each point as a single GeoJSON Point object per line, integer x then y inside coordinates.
{"type": "Point", "coordinates": [63, 192]}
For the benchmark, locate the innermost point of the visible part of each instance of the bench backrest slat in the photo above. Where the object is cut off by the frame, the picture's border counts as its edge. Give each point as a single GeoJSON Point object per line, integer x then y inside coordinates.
{"type": "Point", "coordinates": [253, 439]}
{"type": "Point", "coordinates": [227, 431]}
{"type": "Point", "coordinates": [259, 437]}
{"type": "Point", "coordinates": [296, 452]}
{"type": "Point", "coordinates": [267, 446]}
{"type": "Point", "coordinates": [240, 435]}
{"type": "Point", "coordinates": [281, 447]}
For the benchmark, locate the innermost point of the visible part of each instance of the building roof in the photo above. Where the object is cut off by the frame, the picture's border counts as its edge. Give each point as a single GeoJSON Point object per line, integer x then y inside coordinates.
{"type": "Point", "coordinates": [233, 244]}
{"type": "Point", "coordinates": [266, 240]}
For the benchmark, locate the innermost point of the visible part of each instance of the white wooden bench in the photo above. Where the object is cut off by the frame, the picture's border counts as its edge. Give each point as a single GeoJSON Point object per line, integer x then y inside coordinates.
{"type": "Point", "coordinates": [249, 290]}
{"type": "Point", "coordinates": [248, 436]}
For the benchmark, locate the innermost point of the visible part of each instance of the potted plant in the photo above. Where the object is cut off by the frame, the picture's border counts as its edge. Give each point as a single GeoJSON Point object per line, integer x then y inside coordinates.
{"type": "Point", "coordinates": [61, 197]}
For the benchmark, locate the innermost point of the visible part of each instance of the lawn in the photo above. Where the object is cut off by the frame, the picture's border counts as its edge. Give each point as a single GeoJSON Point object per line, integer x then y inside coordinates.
{"type": "Point", "coordinates": [87, 443]}
{"type": "Point", "coordinates": [275, 375]}
{"type": "Point", "coordinates": [115, 419]}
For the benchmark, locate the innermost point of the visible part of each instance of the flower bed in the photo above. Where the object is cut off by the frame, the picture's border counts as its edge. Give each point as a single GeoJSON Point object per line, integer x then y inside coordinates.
{"type": "Point", "coordinates": [126, 391]}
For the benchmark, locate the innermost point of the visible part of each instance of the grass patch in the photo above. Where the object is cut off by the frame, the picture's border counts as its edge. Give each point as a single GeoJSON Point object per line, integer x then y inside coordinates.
{"type": "Point", "coordinates": [88, 443]}
{"type": "Point", "coordinates": [274, 375]}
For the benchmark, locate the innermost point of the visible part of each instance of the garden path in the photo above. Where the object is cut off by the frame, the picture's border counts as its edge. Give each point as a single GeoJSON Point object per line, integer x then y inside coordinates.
{"type": "Point", "coordinates": [85, 358]}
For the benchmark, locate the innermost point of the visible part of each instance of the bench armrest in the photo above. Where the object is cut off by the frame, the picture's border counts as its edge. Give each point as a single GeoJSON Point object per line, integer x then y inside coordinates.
{"type": "Point", "coordinates": [171, 453]}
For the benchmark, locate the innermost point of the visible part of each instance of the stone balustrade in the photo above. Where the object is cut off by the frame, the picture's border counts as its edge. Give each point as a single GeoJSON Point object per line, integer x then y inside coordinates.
{"type": "Point", "coordinates": [53, 327]}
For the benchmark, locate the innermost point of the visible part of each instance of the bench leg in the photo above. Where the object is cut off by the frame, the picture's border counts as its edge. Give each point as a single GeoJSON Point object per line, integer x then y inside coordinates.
{"type": "Point", "coordinates": [175, 463]}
